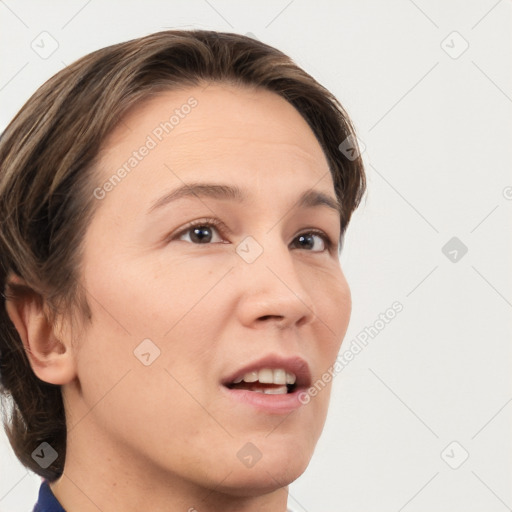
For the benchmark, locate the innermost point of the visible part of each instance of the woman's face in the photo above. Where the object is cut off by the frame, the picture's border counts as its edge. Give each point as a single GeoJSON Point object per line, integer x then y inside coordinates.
{"type": "Point", "coordinates": [181, 313]}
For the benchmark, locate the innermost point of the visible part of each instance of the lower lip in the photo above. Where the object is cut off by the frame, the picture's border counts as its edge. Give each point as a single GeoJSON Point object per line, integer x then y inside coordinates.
{"type": "Point", "coordinates": [276, 404]}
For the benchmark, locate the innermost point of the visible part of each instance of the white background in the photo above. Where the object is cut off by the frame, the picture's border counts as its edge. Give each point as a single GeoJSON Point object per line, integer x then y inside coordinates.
{"type": "Point", "coordinates": [437, 129]}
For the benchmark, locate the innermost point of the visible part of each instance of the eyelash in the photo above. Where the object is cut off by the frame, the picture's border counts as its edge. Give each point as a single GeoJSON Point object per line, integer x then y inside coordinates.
{"type": "Point", "coordinates": [329, 244]}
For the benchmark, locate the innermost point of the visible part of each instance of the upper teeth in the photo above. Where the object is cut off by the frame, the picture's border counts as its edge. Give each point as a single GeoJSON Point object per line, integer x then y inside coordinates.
{"type": "Point", "coordinates": [268, 376]}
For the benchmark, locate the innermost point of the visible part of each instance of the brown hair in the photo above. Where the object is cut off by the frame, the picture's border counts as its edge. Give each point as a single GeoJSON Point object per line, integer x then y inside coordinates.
{"type": "Point", "coordinates": [47, 159]}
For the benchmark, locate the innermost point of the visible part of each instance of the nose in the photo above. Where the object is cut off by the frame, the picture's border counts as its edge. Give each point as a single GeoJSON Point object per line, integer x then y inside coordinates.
{"type": "Point", "coordinates": [273, 291]}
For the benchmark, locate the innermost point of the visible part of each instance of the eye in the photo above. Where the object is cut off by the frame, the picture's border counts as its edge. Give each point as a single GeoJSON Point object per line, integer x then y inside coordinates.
{"type": "Point", "coordinates": [202, 232]}
{"type": "Point", "coordinates": [307, 241]}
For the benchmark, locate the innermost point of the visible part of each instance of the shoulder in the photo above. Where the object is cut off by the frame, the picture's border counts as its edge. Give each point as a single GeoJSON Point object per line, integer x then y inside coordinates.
{"type": "Point", "coordinates": [46, 501]}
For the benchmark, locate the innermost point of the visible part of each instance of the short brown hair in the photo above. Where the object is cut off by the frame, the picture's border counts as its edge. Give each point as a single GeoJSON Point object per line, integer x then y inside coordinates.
{"type": "Point", "coordinates": [47, 159]}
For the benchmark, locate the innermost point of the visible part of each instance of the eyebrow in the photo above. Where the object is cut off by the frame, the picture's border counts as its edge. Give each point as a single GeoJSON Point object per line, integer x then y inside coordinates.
{"type": "Point", "coordinates": [310, 198]}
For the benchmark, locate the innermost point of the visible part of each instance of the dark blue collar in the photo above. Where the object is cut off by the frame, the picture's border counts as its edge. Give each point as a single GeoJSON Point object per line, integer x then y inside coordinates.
{"type": "Point", "coordinates": [47, 502]}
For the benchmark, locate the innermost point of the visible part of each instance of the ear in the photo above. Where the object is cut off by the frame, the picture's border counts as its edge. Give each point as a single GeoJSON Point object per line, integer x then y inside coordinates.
{"type": "Point", "coordinates": [51, 358]}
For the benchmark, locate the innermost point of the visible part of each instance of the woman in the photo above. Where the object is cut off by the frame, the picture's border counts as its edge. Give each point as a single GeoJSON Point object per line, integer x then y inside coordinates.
{"type": "Point", "coordinates": [172, 212]}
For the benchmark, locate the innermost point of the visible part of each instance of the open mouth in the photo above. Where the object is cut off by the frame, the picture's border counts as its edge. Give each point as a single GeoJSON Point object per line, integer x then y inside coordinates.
{"type": "Point", "coordinates": [270, 381]}
{"type": "Point", "coordinates": [272, 384]}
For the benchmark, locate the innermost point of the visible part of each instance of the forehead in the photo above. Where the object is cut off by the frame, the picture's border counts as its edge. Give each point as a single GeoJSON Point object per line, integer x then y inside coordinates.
{"type": "Point", "coordinates": [218, 116]}
{"type": "Point", "coordinates": [248, 136]}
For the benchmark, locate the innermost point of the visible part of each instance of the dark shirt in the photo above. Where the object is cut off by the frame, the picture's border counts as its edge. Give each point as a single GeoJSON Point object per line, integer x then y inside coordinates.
{"type": "Point", "coordinates": [47, 502]}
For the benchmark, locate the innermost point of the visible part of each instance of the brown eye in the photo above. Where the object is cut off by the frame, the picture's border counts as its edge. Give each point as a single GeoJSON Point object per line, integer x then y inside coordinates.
{"type": "Point", "coordinates": [201, 232]}
{"type": "Point", "coordinates": [307, 241]}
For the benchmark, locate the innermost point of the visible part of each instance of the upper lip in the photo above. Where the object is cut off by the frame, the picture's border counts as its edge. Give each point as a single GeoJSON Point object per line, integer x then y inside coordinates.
{"type": "Point", "coordinates": [294, 364]}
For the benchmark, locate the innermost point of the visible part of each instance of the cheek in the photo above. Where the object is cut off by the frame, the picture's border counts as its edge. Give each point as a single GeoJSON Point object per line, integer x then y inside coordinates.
{"type": "Point", "coordinates": [125, 396]}
{"type": "Point", "coordinates": [333, 306]}
{"type": "Point", "coordinates": [343, 309]}
{"type": "Point", "coordinates": [171, 303]}
{"type": "Point", "coordinates": [142, 299]}
{"type": "Point", "coordinates": [333, 303]}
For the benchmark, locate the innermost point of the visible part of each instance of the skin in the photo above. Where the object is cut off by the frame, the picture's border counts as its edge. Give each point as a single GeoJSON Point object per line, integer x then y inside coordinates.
{"type": "Point", "coordinates": [162, 437]}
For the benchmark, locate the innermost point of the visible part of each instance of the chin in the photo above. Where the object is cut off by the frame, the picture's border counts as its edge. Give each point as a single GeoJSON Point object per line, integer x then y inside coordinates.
{"type": "Point", "coordinates": [264, 477]}
{"type": "Point", "coordinates": [281, 463]}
